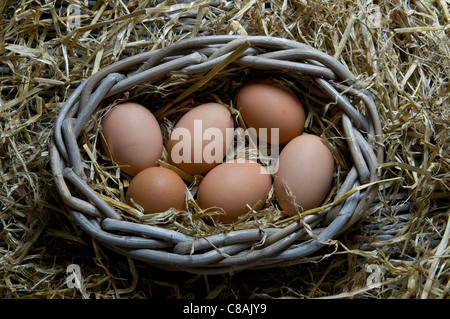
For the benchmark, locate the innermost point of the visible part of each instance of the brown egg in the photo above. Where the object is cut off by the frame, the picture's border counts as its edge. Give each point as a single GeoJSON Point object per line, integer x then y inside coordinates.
{"type": "Point", "coordinates": [131, 136]}
{"type": "Point", "coordinates": [157, 189]}
{"type": "Point", "coordinates": [306, 168]}
{"type": "Point", "coordinates": [200, 139]}
{"type": "Point", "coordinates": [232, 185]}
{"type": "Point", "coordinates": [268, 105]}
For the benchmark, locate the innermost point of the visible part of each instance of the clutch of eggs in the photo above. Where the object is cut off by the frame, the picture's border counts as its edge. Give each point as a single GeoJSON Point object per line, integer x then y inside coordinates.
{"type": "Point", "coordinates": [198, 143]}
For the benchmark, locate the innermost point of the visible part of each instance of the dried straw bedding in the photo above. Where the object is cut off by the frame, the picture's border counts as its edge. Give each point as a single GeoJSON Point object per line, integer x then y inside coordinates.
{"type": "Point", "coordinates": [399, 50]}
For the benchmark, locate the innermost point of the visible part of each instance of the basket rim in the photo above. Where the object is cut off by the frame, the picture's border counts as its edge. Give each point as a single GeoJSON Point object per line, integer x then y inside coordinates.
{"type": "Point", "coordinates": [231, 251]}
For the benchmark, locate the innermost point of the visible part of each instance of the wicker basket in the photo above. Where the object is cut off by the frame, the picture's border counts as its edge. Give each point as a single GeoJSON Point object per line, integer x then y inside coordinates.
{"type": "Point", "coordinates": [237, 249]}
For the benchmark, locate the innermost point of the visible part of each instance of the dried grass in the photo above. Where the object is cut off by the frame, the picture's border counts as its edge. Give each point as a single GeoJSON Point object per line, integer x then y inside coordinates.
{"type": "Point", "coordinates": [400, 49]}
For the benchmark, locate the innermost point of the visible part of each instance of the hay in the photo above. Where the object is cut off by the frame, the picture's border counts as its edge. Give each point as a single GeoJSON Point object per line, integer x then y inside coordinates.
{"type": "Point", "coordinates": [400, 49]}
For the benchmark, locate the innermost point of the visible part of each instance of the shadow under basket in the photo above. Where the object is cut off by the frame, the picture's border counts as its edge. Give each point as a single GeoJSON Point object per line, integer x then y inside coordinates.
{"type": "Point", "coordinates": [233, 250]}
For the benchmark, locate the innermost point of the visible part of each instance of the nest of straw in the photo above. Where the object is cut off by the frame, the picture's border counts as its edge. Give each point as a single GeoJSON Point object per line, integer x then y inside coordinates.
{"type": "Point", "coordinates": [399, 50]}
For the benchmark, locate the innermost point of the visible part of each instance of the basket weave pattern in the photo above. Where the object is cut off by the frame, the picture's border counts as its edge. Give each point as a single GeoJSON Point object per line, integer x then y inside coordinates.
{"type": "Point", "coordinates": [233, 250]}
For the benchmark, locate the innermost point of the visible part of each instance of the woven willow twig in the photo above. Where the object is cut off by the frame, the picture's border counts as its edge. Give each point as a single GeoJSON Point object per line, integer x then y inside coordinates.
{"type": "Point", "coordinates": [234, 250]}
